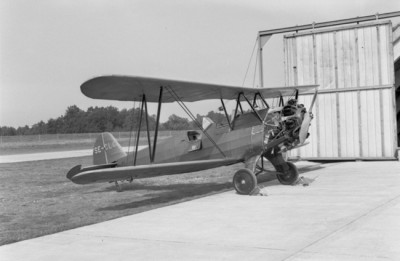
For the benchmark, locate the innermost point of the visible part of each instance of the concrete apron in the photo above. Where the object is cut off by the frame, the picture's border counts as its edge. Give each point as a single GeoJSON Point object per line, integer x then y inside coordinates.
{"type": "Point", "coordinates": [351, 211]}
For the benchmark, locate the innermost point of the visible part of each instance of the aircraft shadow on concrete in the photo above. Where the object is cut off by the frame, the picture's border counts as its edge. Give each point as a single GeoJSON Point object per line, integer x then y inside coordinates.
{"type": "Point", "coordinates": [174, 193]}
{"type": "Point", "coordinates": [270, 179]}
{"type": "Point", "coordinates": [178, 192]}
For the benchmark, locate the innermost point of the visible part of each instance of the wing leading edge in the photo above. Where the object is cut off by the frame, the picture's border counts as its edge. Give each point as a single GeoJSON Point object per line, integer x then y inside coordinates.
{"type": "Point", "coordinates": [132, 88]}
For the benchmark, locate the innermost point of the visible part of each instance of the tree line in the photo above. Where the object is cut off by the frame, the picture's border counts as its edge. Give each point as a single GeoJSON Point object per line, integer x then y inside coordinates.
{"type": "Point", "coordinates": [101, 119]}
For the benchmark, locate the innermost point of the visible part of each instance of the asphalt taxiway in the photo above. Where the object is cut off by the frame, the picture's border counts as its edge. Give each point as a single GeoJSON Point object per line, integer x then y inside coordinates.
{"type": "Point", "coordinates": [53, 155]}
{"type": "Point", "coordinates": [350, 211]}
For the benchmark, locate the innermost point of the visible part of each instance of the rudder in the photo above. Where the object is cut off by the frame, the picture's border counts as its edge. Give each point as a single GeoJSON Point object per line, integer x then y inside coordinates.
{"type": "Point", "coordinates": [106, 149]}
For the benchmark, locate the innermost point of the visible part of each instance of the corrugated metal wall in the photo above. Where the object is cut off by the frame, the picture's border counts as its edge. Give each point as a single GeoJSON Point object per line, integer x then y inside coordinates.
{"type": "Point", "coordinates": [355, 109]}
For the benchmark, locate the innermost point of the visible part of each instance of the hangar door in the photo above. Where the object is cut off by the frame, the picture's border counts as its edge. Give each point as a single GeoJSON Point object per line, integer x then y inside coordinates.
{"type": "Point", "coordinates": [355, 110]}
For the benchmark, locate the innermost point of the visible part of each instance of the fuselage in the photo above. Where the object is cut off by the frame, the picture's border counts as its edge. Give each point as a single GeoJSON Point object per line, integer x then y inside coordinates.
{"type": "Point", "coordinates": [245, 140]}
{"type": "Point", "coordinates": [188, 152]}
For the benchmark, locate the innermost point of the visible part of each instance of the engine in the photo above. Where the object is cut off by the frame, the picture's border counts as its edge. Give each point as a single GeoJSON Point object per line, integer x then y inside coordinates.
{"type": "Point", "coordinates": [287, 124]}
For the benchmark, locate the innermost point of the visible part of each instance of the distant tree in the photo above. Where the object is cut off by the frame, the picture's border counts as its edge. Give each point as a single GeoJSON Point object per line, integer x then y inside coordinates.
{"type": "Point", "coordinates": [131, 120]}
{"type": "Point", "coordinates": [217, 117]}
{"type": "Point", "coordinates": [193, 125]}
{"type": "Point", "coordinates": [100, 119]}
{"type": "Point", "coordinates": [122, 118]}
{"type": "Point", "coordinates": [8, 131]}
{"type": "Point", "coordinates": [176, 123]}
{"type": "Point", "coordinates": [56, 125]}
{"type": "Point", "coordinates": [24, 130]}
{"type": "Point", "coordinates": [74, 120]}
{"type": "Point", "coordinates": [96, 119]}
{"type": "Point", "coordinates": [39, 128]}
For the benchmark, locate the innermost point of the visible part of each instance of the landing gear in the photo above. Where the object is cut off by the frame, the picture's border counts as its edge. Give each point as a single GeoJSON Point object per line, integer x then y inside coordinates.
{"type": "Point", "coordinates": [244, 181]}
{"type": "Point", "coordinates": [260, 165]}
{"type": "Point", "coordinates": [290, 176]}
{"type": "Point", "coordinates": [287, 171]}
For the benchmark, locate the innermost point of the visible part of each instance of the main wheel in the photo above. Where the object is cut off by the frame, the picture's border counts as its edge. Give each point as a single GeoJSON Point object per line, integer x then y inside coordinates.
{"type": "Point", "coordinates": [290, 177]}
{"type": "Point", "coordinates": [244, 181]}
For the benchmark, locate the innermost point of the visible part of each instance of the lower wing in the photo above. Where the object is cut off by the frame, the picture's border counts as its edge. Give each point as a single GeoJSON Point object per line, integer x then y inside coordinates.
{"type": "Point", "coordinates": [88, 175]}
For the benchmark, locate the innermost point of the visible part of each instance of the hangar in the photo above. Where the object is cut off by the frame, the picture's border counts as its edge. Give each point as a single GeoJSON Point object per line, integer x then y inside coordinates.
{"type": "Point", "coordinates": [356, 63]}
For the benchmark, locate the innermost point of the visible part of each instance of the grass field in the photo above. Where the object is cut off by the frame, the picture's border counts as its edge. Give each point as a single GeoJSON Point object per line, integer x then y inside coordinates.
{"type": "Point", "coordinates": [36, 198]}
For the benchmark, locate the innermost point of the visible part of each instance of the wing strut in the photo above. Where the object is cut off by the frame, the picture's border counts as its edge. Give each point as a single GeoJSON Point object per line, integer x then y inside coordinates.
{"type": "Point", "coordinates": [138, 132]}
{"type": "Point", "coordinates": [189, 113]}
{"type": "Point", "coordinates": [262, 98]}
{"type": "Point", "coordinates": [281, 102]}
{"type": "Point", "coordinates": [250, 104]}
{"type": "Point", "coordinates": [131, 129]}
{"type": "Point", "coordinates": [226, 114]}
{"type": "Point", "coordinates": [142, 108]}
{"type": "Point", "coordinates": [236, 108]}
{"type": "Point", "coordinates": [147, 124]}
{"type": "Point", "coordinates": [157, 124]}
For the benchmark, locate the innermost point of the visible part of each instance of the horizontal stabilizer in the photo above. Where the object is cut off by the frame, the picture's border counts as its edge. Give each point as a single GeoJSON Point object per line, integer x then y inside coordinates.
{"type": "Point", "coordinates": [78, 169]}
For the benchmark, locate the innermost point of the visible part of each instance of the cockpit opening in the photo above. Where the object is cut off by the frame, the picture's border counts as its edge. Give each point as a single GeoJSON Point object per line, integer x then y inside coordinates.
{"type": "Point", "coordinates": [193, 135]}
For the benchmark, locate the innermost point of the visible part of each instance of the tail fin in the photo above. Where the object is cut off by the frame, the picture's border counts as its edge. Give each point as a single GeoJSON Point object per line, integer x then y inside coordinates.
{"type": "Point", "coordinates": [107, 149]}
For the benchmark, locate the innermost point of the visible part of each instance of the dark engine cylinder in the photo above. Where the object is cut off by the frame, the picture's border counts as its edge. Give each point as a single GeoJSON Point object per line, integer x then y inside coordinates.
{"type": "Point", "coordinates": [289, 110]}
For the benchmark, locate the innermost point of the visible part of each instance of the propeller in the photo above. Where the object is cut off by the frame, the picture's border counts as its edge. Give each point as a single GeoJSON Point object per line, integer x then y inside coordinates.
{"type": "Point", "coordinates": [305, 125]}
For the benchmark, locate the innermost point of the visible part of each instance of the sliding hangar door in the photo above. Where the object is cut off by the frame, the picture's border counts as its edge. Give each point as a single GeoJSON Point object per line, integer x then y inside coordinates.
{"type": "Point", "coordinates": [355, 112]}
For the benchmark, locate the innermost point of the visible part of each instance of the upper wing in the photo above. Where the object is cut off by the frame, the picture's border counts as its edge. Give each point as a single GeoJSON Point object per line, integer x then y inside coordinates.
{"type": "Point", "coordinates": [132, 88]}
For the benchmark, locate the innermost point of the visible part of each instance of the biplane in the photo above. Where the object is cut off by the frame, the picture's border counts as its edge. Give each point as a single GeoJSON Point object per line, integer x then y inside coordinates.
{"type": "Point", "coordinates": [252, 136]}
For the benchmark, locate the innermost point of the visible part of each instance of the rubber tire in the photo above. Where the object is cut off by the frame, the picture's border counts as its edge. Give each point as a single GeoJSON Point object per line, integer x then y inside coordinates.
{"type": "Point", "coordinates": [291, 178]}
{"type": "Point", "coordinates": [244, 181]}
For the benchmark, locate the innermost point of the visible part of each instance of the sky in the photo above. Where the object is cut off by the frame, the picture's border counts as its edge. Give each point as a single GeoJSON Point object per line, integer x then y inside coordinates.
{"type": "Point", "coordinates": [48, 48]}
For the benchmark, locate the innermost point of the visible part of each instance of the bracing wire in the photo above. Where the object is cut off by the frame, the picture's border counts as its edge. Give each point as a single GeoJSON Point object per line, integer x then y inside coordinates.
{"type": "Point", "coordinates": [251, 58]}
{"type": "Point", "coordinates": [189, 113]}
{"type": "Point", "coordinates": [255, 69]}
{"type": "Point", "coordinates": [184, 107]}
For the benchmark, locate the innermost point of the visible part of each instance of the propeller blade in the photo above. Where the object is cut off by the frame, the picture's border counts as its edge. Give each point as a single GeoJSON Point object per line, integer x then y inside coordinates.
{"type": "Point", "coordinates": [304, 128]}
{"type": "Point", "coordinates": [305, 125]}
{"type": "Point", "coordinates": [313, 100]}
